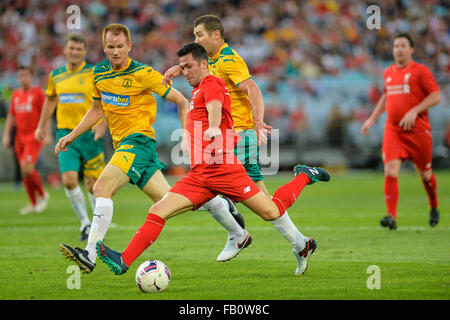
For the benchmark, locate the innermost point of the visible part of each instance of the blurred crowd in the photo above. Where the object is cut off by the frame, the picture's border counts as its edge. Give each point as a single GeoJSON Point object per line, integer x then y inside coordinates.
{"type": "Point", "coordinates": [305, 55]}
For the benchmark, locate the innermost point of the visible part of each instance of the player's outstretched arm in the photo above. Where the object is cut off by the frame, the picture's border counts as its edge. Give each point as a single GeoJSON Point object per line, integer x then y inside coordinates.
{"type": "Point", "coordinates": [250, 87]}
{"type": "Point", "coordinates": [42, 131]}
{"type": "Point", "coordinates": [94, 114]}
{"type": "Point", "coordinates": [171, 73]}
{"type": "Point", "coordinates": [379, 109]}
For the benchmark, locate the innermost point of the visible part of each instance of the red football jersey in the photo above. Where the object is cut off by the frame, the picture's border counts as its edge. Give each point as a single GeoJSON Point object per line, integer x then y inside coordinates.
{"type": "Point", "coordinates": [405, 88]}
{"type": "Point", "coordinates": [203, 151]}
{"type": "Point", "coordinates": [26, 107]}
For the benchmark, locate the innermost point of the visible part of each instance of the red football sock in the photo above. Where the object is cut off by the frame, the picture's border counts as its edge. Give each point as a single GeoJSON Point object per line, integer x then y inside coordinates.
{"type": "Point", "coordinates": [286, 195]}
{"type": "Point", "coordinates": [30, 189]}
{"type": "Point", "coordinates": [38, 182]}
{"type": "Point", "coordinates": [391, 194]}
{"type": "Point", "coordinates": [143, 238]}
{"type": "Point", "coordinates": [431, 188]}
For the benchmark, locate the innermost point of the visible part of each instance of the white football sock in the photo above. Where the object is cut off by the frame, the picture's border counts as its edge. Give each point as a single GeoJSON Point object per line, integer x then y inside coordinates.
{"type": "Point", "coordinates": [219, 210]}
{"type": "Point", "coordinates": [100, 223]}
{"type": "Point", "coordinates": [92, 201]}
{"type": "Point", "coordinates": [287, 228]}
{"type": "Point", "coordinates": [76, 198]}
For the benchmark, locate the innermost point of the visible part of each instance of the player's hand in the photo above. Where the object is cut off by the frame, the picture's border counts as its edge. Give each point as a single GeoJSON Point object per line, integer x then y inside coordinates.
{"type": "Point", "coordinates": [366, 126]}
{"type": "Point", "coordinates": [262, 130]}
{"type": "Point", "coordinates": [408, 121]}
{"type": "Point", "coordinates": [63, 143]}
{"type": "Point", "coordinates": [39, 134]}
{"type": "Point", "coordinates": [212, 133]}
{"type": "Point", "coordinates": [173, 72]}
{"type": "Point", "coordinates": [6, 142]}
{"type": "Point", "coordinates": [99, 130]}
{"type": "Point", "coordinates": [48, 140]}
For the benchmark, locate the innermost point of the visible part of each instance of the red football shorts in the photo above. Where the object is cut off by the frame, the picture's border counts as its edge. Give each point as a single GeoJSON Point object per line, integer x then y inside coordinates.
{"type": "Point", "coordinates": [27, 149]}
{"type": "Point", "coordinates": [229, 180]}
{"type": "Point", "coordinates": [416, 146]}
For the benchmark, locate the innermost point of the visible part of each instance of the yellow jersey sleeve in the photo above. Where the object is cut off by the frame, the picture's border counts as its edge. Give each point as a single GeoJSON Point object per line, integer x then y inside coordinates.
{"type": "Point", "coordinates": [235, 68]}
{"type": "Point", "coordinates": [153, 81]}
{"type": "Point", "coordinates": [96, 95]}
{"type": "Point", "coordinates": [50, 91]}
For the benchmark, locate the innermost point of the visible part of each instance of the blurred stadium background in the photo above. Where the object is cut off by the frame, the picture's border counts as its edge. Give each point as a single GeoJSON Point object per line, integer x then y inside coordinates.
{"type": "Point", "coordinates": [319, 68]}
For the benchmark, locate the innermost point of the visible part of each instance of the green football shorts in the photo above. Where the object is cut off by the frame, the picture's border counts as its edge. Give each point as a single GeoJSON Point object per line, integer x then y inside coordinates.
{"type": "Point", "coordinates": [247, 151]}
{"type": "Point", "coordinates": [136, 155]}
{"type": "Point", "coordinates": [84, 151]}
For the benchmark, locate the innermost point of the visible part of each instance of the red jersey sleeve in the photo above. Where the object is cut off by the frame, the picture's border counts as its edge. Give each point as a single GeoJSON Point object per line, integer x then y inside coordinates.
{"type": "Point", "coordinates": [427, 82]}
{"type": "Point", "coordinates": [214, 91]}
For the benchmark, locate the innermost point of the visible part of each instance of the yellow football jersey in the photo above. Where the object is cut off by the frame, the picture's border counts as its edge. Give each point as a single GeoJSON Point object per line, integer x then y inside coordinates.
{"type": "Point", "coordinates": [229, 66]}
{"type": "Point", "coordinates": [73, 89]}
{"type": "Point", "coordinates": [126, 97]}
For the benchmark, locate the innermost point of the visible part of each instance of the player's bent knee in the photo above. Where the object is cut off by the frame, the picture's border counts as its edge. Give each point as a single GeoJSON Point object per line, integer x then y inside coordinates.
{"type": "Point", "coordinates": [269, 214]}
{"type": "Point", "coordinates": [101, 190]}
{"type": "Point", "coordinates": [425, 175]}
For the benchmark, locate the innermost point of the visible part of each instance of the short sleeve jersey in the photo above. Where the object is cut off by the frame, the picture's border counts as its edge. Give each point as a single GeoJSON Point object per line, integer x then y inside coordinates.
{"type": "Point", "coordinates": [26, 107]}
{"type": "Point", "coordinates": [73, 89]}
{"type": "Point", "coordinates": [405, 88]}
{"type": "Point", "coordinates": [229, 66]}
{"type": "Point", "coordinates": [211, 88]}
{"type": "Point", "coordinates": [127, 97]}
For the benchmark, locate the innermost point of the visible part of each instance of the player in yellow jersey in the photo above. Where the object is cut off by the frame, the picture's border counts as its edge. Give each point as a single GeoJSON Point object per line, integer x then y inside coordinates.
{"type": "Point", "coordinates": [70, 91]}
{"type": "Point", "coordinates": [123, 91]}
{"type": "Point", "coordinates": [247, 111]}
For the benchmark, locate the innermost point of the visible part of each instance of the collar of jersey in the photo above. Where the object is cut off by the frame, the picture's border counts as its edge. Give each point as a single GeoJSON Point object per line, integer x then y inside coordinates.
{"type": "Point", "coordinates": [77, 69]}
{"type": "Point", "coordinates": [217, 55]}
{"type": "Point", "coordinates": [122, 69]}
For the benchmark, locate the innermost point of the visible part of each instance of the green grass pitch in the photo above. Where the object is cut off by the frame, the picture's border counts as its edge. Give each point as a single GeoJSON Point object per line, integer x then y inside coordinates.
{"type": "Point", "coordinates": [342, 215]}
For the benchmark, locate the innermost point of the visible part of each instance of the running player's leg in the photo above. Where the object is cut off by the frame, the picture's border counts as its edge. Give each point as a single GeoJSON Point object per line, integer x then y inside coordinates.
{"type": "Point", "coordinates": [26, 169]}
{"type": "Point", "coordinates": [89, 183]}
{"type": "Point", "coordinates": [430, 184]}
{"type": "Point", "coordinates": [391, 192]}
{"type": "Point", "coordinates": [247, 151]}
{"type": "Point", "coordinates": [28, 154]}
{"type": "Point", "coordinates": [393, 154]}
{"type": "Point", "coordinates": [187, 194]}
{"type": "Point", "coordinates": [420, 148]}
{"type": "Point", "coordinates": [76, 197]}
{"type": "Point", "coordinates": [70, 164]}
{"type": "Point", "coordinates": [172, 204]}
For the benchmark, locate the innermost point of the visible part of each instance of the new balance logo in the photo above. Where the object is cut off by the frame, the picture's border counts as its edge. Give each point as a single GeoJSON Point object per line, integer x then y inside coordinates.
{"type": "Point", "coordinates": [246, 189]}
{"type": "Point", "coordinates": [314, 171]}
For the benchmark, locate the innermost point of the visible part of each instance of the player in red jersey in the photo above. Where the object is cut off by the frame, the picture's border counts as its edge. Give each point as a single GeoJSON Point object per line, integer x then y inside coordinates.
{"type": "Point", "coordinates": [410, 90]}
{"type": "Point", "coordinates": [24, 113]}
{"type": "Point", "coordinates": [214, 169]}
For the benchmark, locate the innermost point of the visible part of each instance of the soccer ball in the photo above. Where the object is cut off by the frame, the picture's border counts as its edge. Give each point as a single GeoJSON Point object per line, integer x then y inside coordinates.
{"type": "Point", "coordinates": [153, 276]}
